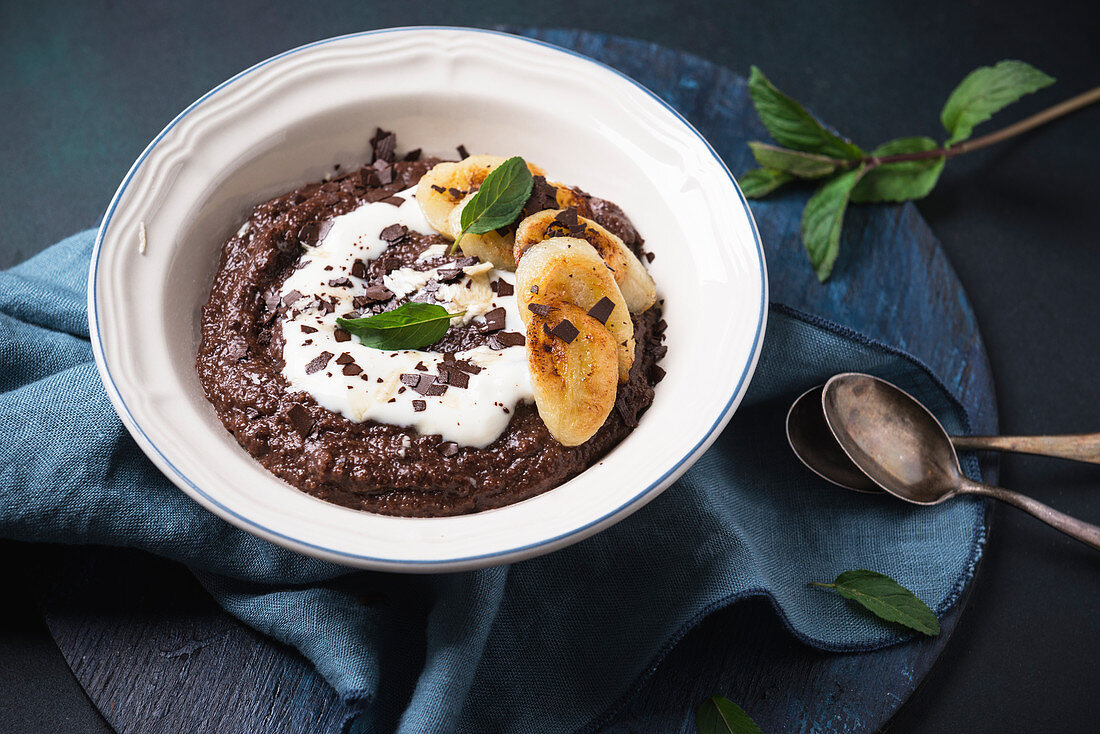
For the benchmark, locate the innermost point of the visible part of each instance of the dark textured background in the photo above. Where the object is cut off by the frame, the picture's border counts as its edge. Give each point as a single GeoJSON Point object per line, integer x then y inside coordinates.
{"type": "Point", "coordinates": [86, 85]}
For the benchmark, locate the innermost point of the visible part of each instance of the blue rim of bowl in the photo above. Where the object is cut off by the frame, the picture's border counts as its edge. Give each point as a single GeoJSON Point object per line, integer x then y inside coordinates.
{"type": "Point", "coordinates": [294, 543]}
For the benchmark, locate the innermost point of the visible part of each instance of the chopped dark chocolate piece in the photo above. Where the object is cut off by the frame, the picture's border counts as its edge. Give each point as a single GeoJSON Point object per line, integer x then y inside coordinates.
{"type": "Point", "coordinates": [409, 379]}
{"type": "Point", "coordinates": [535, 289]}
{"type": "Point", "coordinates": [318, 363]}
{"type": "Point", "coordinates": [421, 367]}
{"type": "Point", "coordinates": [456, 193]}
{"type": "Point", "coordinates": [657, 373]}
{"type": "Point", "coordinates": [345, 358]}
{"type": "Point", "coordinates": [341, 335]}
{"type": "Point", "coordinates": [431, 286]}
{"type": "Point", "coordinates": [511, 338]}
{"type": "Point", "coordinates": [494, 320]}
{"type": "Point", "coordinates": [567, 216]}
{"type": "Point", "coordinates": [394, 233]}
{"type": "Point", "coordinates": [419, 406]}
{"type": "Point", "coordinates": [542, 309]}
{"type": "Point", "coordinates": [602, 310]}
{"type": "Point", "coordinates": [380, 165]}
{"type": "Point", "coordinates": [385, 176]}
{"type": "Point", "coordinates": [359, 269]}
{"type": "Point", "coordinates": [352, 369]}
{"type": "Point", "coordinates": [503, 288]}
{"type": "Point", "coordinates": [448, 275]}
{"type": "Point", "coordinates": [393, 200]}
{"type": "Point", "coordinates": [436, 388]}
{"type": "Point", "coordinates": [438, 189]}
{"type": "Point", "coordinates": [649, 256]}
{"type": "Point", "coordinates": [413, 155]}
{"type": "Point", "coordinates": [307, 329]}
{"type": "Point", "coordinates": [300, 419]}
{"type": "Point", "coordinates": [467, 366]}
{"type": "Point", "coordinates": [462, 154]}
{"type": "Point", "coordinates": [291, 297]}
{"type": "Point", "coordinates": [456, 378]}
{"type": "Point", "coordinates": [341, 282]}
{"type": "Point", "coordinates": [378, 293]}
{"type": "Point", "coordinates": [307, 235]}
{"type": "Point", "coordinates": [566, 331]}
{"type": "Point", "coordinates": [543, 196]}
{"type": "Point", "coordinates": [385, 145]}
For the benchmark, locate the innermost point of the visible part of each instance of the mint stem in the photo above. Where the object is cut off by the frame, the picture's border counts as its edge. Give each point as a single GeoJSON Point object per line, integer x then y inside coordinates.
{"type": "Point", "coordinates": [822, 585]}
{"type": "Point", "coordinates": [1048, 115]}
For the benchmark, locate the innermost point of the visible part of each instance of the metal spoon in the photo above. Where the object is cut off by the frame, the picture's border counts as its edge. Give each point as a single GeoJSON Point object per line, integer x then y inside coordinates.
{"type": "Point", "coordinates": [903, 449]}
{"type": "Point", "coordinates": [816, 447]}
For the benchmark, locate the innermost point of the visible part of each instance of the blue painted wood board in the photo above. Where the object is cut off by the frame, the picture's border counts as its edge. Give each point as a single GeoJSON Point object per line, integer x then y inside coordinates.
{"type": "Point", "coordinates": [156, 654]}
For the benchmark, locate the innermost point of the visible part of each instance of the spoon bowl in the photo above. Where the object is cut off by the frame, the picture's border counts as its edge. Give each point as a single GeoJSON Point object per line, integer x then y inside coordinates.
{"type": "Point", "coordinates": [816, 447]}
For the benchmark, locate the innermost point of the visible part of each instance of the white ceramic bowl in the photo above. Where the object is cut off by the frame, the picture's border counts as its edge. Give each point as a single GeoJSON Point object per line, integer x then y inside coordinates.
{"type": "Point", "coordinates": [287, 121]}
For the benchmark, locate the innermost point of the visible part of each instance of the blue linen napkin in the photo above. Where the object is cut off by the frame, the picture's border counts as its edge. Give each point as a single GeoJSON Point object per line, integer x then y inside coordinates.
{"type": "Point", "coordinates": [546, 644]}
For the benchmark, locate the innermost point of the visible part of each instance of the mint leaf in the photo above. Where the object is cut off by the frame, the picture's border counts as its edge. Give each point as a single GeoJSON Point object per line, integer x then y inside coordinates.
{"type": "Point", "coordinates": [760, 182]}
{"type": "Point", "coordinates": [791, 125]}
{"type": "Point", "coordinates": [986, 90]}
{"type": "Point", "coordinates": [903, 180]}
{"type": "Point", "coordinates": [498, 200]}
{"type": "Point", "coordinates": [794, 162]}
{"type": "Point", "coordinates": [719, 715]}
{"type": "Point", "coordinates": [886, 598]}
{"type": "Point", "coordinates": [410, 326]}
{"type": "Point", "coordinates": [823, 218]}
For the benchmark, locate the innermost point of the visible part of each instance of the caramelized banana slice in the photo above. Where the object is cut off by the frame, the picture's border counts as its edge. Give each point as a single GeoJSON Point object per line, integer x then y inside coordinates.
{"type": "Point", "coordinates": [574, 371]}
{"type": "Point", "coordinates": [638, 288]}
{"type": "Point", "coordinates": [492, 247]}
{"type": "Point", "coordinates": [442, 188]}
{"type": "Point", "coordinates": [568, 270]}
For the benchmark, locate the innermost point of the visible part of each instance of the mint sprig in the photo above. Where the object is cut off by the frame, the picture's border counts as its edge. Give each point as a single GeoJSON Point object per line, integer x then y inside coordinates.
{"type": "Point", "coordinates": [498, 200]}
{"type": "Point", "coordinates": [410, 326]}
{"type": "Point", "coordinates": [886, 599]}
{"type": "Point", "coordinates": [899, 170]}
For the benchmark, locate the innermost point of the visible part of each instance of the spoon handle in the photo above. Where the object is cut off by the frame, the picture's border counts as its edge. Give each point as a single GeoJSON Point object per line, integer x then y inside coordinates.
{"type": "Point", "coordinates": [1077, 529]}
{"type": "Point", "coordinates": [1080, 447]}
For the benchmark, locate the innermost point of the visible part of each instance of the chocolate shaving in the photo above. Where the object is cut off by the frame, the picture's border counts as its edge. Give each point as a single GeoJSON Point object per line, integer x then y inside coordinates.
{"type": "Point", "coordinates": [503, 288]}
{"type": "Point", "coordinates": [307, 235]}
{"type": "Point", "coordinates": [300, 419]}
{"type": "Point", "coordinates": [649, 256]}
{"type": "Point", "coordinates": [394, 233]}
{"type": "Point", "coordinates": [462, 154]}
{"type": "Point", "coordinates": [413, 155]}
{"type": "Point", "coordinates": [510, 338]}
{"type": "Point", "coordinates": [602, 310]}
{"type": "Point", "coordinates": [541, 309]}
{"type": "Point", "coordinates": [566, 331]}
{"type": "Point", "coordinates": [456, 193]}
{"type": "Point", "coordinates": [339, 283]}
{"type": "Point", "coordinates": [308, 329]}
{"type": "Point", "coordinates": [341, 335]}
{"type": "Point", "coordinates": [419, 406]}
{"type": "Point", "coordinates": [377, 293]}
{"type": "Point", "coordinates": [448, 275]}
{"type": "Point", "coordinates": [410, 379]}
{"type": "Point", "coordinates": [384, 144]}
{"type": "Point", "coordinates": [568, 217]}
{"type": "Point", "coordinates": [454, 378]}
{"type": "Point", "coordinates": [438, 189]}
{"type": "Point", "coordinates": [345, 358]}
{"type": "Point", "coordinates": [535, 289]}
{"type": "Point", "coordinates": [291, 297]}
{"type": "Point", "coordinates": [494, 320]}
{"type": "Point", "coordinates": [359, 269]}
{"type": "Point", "coordinates": [352, 369]}
{"type": "Point", "coordinates": [318, 363]}
{"type": "Point", "coordinates": [393, 200]}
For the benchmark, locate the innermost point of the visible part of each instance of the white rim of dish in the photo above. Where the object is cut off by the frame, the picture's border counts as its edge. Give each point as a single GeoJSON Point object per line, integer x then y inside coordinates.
{"type": "Point", "coordinates": [639, 499]}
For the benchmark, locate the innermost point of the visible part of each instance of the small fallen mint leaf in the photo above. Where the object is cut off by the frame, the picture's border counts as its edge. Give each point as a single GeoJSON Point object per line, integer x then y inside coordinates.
{"type": "Point", "coordinates": [718, 715]}
{"type": "Point", "coordinates": [886, 598]}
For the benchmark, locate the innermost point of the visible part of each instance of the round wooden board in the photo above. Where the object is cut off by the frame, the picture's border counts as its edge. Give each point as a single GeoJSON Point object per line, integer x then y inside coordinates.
{"type": "Point", "coordinates": [156, 654]}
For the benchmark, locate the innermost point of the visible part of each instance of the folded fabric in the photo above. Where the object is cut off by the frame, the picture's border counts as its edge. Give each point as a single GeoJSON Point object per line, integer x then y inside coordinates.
{"type": "Point", "coordinates": [547, 644]}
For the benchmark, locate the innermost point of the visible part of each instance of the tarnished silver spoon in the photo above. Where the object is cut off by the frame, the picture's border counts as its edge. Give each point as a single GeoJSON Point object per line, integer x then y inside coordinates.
{"type": "Point", "coordinates": [902, 448]}
{"type": "Point", "coordinates": [816, 447]}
